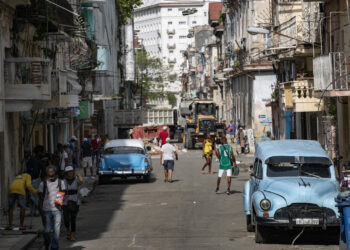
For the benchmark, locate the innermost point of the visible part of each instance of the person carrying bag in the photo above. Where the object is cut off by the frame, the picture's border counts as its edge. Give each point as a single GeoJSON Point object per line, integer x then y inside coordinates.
{"type": "Point", "coordinates": [71, 202]}
{"type": "Point", "coordinates": [226, 156]}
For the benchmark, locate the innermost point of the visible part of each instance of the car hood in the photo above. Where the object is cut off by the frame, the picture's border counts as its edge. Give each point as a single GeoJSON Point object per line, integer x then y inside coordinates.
{"type": "Point", "coordinates": [303, 190]}
{"type": "Point", "coordinates": [115, 161]}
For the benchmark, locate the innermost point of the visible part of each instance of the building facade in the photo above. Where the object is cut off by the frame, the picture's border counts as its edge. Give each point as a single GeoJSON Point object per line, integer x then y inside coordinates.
{"type": "Point", "coordinates": [61, 74]}
{"type": "Point", "coordinates": [164, 32]}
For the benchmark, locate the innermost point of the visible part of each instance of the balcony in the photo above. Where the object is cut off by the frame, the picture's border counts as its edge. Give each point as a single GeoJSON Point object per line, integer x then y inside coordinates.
{"type": "Point", "coordinates": [65, 89]}
{"type": "Point", "coordinates": [299, 23]}
{"type": "Point", "coordinates": [331, 74]}
{"type": "Point", "coordinates": [171, 59]}
{"type": "Point", "coordinates": [27, 79]}
{"type": "Point", "coordinates": [171, 45]}
{"type": "Point", "coordinates": [171, 31]}
{"type": "Point", "coordinates": [298, 96]}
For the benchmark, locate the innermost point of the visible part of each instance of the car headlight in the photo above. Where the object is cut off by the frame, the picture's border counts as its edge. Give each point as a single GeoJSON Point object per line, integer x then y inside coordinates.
{"type": "Point", "coordinates": [265, 204]}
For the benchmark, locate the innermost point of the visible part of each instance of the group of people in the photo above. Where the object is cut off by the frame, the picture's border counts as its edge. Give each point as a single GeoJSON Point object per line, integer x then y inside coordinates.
{"type": "Point", "coordinates": [51, 185]}
{"type": "Point", "coordinates": [54, 196]}
{"type": "Point", "coordinates": [225, 155]}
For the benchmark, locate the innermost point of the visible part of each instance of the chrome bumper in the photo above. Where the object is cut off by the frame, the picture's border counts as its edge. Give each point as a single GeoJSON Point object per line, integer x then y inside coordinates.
{"type": "Point", "coordinates": [116, 173]}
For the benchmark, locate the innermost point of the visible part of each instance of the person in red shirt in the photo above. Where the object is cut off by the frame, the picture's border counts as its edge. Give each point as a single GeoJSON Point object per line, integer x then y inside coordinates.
{"type": "Point", "coordinates": [95, 149]}
{"type": "Point", "coordinates": [163, 135]}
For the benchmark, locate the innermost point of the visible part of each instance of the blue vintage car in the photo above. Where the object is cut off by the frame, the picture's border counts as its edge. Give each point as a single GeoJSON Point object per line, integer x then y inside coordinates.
{"type": "Point", "coordinates": [124, 158]}
{"type": "Point", "coordinates": [292, 184]}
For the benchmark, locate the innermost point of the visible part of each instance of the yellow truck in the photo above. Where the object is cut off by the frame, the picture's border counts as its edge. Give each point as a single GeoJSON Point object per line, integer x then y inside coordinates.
{"type": "Point", "coordinates": [201, 121]}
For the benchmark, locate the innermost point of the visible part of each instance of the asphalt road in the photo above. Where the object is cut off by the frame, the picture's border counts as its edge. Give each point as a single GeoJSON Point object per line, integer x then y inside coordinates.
{"type": "Point", "coordinates": [186, 214]}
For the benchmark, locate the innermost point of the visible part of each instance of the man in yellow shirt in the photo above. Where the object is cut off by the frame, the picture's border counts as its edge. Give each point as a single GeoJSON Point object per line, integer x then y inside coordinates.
{"type": "Point", "coordinates": [17, 191]}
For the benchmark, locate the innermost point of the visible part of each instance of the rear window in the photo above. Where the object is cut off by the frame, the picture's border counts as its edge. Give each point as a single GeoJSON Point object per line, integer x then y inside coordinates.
{"type": "Point", "coordinates": [124, 150]}
{"type": "Point", "coordinates": [288, 169]}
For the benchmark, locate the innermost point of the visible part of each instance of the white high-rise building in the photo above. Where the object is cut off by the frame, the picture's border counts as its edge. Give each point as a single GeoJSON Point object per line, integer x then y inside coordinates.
{"type": "Point", "coordinates": [163, 30]}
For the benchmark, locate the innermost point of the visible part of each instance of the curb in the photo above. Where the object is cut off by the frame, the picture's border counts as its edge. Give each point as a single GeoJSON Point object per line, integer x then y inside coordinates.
{"type": "Point", "coordinates": [25, 242]}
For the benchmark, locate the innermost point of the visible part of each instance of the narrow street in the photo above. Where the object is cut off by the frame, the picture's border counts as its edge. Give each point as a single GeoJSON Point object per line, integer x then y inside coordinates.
{"type": "Point", "coordinates": [186, 214]}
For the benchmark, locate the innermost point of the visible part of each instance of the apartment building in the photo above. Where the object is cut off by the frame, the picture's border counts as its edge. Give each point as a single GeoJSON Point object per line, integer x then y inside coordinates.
{"type": "Point", "coordinates": [244, 72]}
{"type": "Point", "coordinates": [59, 76]}
{"type": "Point", "coordinates": [164, 32]}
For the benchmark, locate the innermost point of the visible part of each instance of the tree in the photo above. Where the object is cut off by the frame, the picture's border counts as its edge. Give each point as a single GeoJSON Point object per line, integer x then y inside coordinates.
{"type": "Point", "coordinates": [126, 9]}
{"type": "Point", "coordinates": [151, 75]}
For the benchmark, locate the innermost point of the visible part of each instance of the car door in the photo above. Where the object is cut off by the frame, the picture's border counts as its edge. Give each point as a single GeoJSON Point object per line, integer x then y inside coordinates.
{"type": "Point", "coordinates": [252, 180]}
{"type": "Point", "coordinates": [258, 174]}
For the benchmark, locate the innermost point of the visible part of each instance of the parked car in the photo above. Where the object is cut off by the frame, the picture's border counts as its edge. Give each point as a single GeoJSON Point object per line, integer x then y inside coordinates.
{"type": "Point", "coordinates": [292, 185]}
{"type": "Point", "coordinates": [124, 158]}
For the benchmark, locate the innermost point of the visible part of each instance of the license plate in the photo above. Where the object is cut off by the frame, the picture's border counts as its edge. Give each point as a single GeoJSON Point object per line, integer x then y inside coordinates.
{"type": "Point", "coordinates": [306, 221]}
{"type": "Point", "coordinates": [123, 169]}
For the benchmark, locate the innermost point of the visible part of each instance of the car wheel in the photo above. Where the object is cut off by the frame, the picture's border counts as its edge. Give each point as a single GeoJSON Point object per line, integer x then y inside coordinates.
{"type": "Point", "coordinates": [146, 178]}
{"type": "Point", "coordinates": [250, 226]}
{"type": "Point", "coordinates": [102, 180]}
{"type": "Point", "coordinates": [260, 233]}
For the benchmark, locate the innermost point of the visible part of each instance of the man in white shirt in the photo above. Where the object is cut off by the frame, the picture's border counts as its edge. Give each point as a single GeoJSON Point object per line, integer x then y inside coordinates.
{"type": "Point", "coordinates": [63, 160]}
{"type": "Point", "coordinates": [167, 160]}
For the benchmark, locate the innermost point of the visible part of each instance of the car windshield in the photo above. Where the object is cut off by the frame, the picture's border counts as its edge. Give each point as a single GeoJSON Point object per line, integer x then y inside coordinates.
{"type": "Point", "coordinates": [124, 150]}
{"type": "Point", "coordinates": [206, 109]}
{"type": "Point", "coordinates": [287, 169]}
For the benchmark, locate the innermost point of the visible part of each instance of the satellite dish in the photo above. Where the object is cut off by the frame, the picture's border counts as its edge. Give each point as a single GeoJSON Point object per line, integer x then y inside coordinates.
{"type": "Point", "coordinates": [257, 30]}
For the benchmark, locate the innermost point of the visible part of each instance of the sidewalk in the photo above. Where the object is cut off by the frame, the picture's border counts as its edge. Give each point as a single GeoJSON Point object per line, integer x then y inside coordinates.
{"type": "Point", "coordinates": [17, 240]}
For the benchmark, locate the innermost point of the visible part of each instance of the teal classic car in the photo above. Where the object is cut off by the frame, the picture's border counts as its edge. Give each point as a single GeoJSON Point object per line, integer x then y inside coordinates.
{"type": "Point", "coordinates": [124, 158]}
{"type": "Point", "coordinates": [292, 185]}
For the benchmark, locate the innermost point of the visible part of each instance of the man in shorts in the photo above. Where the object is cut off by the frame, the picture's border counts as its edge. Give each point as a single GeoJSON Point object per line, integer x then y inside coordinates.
{"type": "Point", "coordinates": [168, 152]}
{"type": "Point", "coordinates": [86, 151]}
{"type": "Point", "coordinates": [226, 156]}
{"type": "Point", "coordinates": [17, 192]}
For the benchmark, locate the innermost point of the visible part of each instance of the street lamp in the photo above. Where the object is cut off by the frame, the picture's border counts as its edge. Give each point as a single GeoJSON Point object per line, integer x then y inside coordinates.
{"type": "Point", "coordinates": [257, 30]}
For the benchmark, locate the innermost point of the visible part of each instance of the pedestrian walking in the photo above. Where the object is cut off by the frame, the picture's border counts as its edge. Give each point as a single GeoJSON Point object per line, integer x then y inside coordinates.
{"type": "Point", "coordinates": [17, 192]}
{"type": "Point", "coordinates": [227, 159]}
{"type": "Point", "coordinates": [217, 142]}
{"type": "Point", "coordinates": [63, 162]}
{"type": "Point", "coordinates": [75, 150]}
{"type": "Point", "coordinates": [71, 203]}
{"type": "Point", "coordinates": [207, 153]}
{"type": "Point", "coordinates": [232, 131]}
{"type": "Point", "coordinates": [86, 150]}
{"type": "Point", "coordinates": [168, 152]}
{"type": "Point", "coordinates": [242, 139]}
{"type": "Point", "coordinates": [163, 135]}
{"type": "Point", "coordinates": [50, 190]}
{"type": "Point", "coordinates": [95, 149]}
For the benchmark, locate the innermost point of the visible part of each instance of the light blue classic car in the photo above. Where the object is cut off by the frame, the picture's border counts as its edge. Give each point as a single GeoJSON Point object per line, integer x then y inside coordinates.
{"type": "Point", "coordinates": [124, 158]}
{"type": "Point", "coordinates": [292, 184]}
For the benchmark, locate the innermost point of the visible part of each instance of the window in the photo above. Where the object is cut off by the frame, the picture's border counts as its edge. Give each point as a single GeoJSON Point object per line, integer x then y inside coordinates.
{"type": "Point", "coordinates": [182, 22]}
{"type": "Point", "coordinates": [171, 51]}
{"type": "Point", "coordinates": [181, 9]}
{"type": "Point", "coordinates": [170, 9]}
{"type": "Point", "coordinates": [170, 23]}
{"type": "Point", "coordinates": [259, 173]}
{"type": "Point", "coordinates": [171, 37]}
{"type": "Point", "coordinates": [182, 37]}
{"type": "Point", "coordinates": [205, 13]}
{"type": "Point", "coordinates": [194, 22]}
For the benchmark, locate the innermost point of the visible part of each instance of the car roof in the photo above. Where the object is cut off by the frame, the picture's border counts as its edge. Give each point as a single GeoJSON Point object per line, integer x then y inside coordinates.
{"type": "Point", "coordinates": [125, 143]}
{"type": "Point", "coordinates": [306, 148]}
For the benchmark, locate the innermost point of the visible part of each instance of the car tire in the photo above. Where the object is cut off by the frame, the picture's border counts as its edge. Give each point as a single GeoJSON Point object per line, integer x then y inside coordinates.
{"type": "Point", "coordinates": [146, 178]}
{"type": "Point", "coordinates": [102, 180]}
{"type": "Point", "coordinates": [260, 232]}
{"type": "Point", "coordinates": [250, 226]}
